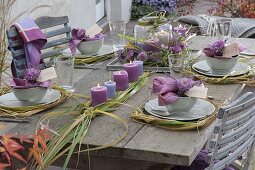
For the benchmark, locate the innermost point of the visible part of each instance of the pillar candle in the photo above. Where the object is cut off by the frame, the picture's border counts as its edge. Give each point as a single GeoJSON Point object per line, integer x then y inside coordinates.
{"type": "Point", "coordinates": [132, 70]}
{"type": "Point", "coordinates": [121, 80]}
{"type": "Point", "coordinates": [163, 37]}
{"type": "Point", "coordinates": [98, 95]}
{"type": "Point", "coordinates": [111, 89]}
{"type": "Point", "coordinates": [140, 66]}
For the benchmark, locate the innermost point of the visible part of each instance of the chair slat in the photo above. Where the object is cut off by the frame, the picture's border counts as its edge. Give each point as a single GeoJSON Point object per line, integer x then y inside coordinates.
{"type": "Point", "coordinates": [226, 150]}
{"type": "Point", "coordinates": [17, 53]}
{"type": "Point", "coordinates": [15, 43]}
{"type": "Point", "coordinates": [234, 156]}
{"type": "Point", "coordinates": [47, 22]}
{"type": "Point", "coordinates": [233, 123]}
{"type": "Point", "coordinates": [56, 42]}
{"type": "Point", "coordinates": [58, 32]}
{"type": "Point", "coordinates": [12, 32]}
{"type": "Point", "coordinates": [237, 133]}
{"type": "Point", "coordinates": [50, 53]}
{"type": "Point", "coordinates": [242, 103]}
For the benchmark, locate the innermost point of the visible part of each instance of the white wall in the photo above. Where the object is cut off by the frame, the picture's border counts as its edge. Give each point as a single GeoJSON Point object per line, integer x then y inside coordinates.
{"type": "Point", "coordinates": [118, 9]}
{"type": "Point", "coordinates": [81, 13]}
{"type": "Point", "coordinates": [36, 8]}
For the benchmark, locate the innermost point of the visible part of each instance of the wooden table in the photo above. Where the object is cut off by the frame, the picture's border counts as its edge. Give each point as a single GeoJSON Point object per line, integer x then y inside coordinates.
{"type": "Point", "coordinates": [144, 143]}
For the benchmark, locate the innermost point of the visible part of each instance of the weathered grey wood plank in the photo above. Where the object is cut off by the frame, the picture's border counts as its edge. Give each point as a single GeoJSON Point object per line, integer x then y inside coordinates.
{"type": "Point", "coordinates": [12, 32]}
{"type": "Point", "coordinates": [56, 43]}
{"type": "Point", "coordinates": [58, 32]}
{"type": "Point", "coordinates": [17, 53]}
{"type": "Point", "coordinates": [47, 22]}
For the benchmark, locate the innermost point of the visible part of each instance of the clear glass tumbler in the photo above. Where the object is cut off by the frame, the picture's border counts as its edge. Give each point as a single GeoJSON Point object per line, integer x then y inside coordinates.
{"type": "Point", "coordinates": [64, 66]}
{"type": "Point", "coordinates": [224, 27]}
{"type": "Point", "coordinates": [179, 62]}
{"type": "Point", "coordinates": [117, 28]}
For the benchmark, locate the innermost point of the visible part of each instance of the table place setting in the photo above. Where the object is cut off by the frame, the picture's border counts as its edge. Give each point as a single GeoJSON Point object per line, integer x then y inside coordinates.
{"type": "Point", "coordinates": [31, 89]}
{"type": "Point", "coordinates": [180, 104]}
{"type": "Point", "coordinates": [87, 46]}
{"type": "Point", "coordinates": [223, 64]}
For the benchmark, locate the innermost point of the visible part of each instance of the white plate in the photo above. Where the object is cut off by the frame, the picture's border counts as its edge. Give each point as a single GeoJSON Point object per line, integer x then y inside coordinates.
{"type": "Point", "coordinates": [203, 68]}
{"type": "Point", "coordinates": [105, 49]}
{"type": "Point", "coordinates": [200, 110]}
{"type": "Point", "coordinates": [9, 100]}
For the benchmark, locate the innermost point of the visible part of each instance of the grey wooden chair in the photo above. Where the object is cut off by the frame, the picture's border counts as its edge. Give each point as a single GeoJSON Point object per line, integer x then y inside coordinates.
{"type": "Point", "coordinates": [235, 136]}
{"type": "Point", "coordinates": [56, 36]}
{"type": "Point", "coordinates": [57, 31]}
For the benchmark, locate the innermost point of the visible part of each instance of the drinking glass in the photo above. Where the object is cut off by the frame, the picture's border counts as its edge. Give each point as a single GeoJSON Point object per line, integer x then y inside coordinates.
{"type": "Point", "coordinates": [179, 62]}
{"type": "Point", "coordinates": [224, 27]}
{"type": "Point", "coordinates": [64, 66]}
{"type": "Point", "coordinates": [117, 28]}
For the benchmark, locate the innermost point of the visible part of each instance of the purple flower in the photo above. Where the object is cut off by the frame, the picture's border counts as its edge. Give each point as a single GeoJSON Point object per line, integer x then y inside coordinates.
{"type": "Point", "coordinates": [142, 56]}
{"type": "Point", "coordinates": [180, 29]}
{"type": "Point", "coordinates": [130, 54]}
{"type": "Point", "coordinates": [32, 74]}
{"type": "Point", "coordinates": [176, 49]}
{"type": "Point", "coordinates": [78, 33]}
{"type": "Point", "coordinates": [184, 84]}
{"type": "Point", "coordinates": [215, 49]}
{"type": "Point", "coordinates": [119, 55]}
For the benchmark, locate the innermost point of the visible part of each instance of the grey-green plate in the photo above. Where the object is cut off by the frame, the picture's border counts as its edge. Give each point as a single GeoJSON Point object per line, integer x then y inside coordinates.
{"type": "Point", "coordinates": [104, 50]}
{"type": "Point", "coordinates": [201, 109]}
{"type": "Point", "coordinates": [9, 100]}
{"type": "Point", "coordinates": [203, 68]}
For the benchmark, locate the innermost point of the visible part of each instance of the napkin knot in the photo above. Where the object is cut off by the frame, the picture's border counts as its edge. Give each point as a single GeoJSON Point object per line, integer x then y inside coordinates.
{"type": "Point", "coordinates": [169, 89]}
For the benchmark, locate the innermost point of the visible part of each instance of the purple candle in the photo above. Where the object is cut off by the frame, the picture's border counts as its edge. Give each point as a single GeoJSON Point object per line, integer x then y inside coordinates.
{"type": "Point", "coordinates": [132, 70]}
{"type": "Point", "coordinates": [140, 66]}
{"type": "Point", "coordinates": [98, 95]}
{"type": "Point", "coordinates": [121, 80]}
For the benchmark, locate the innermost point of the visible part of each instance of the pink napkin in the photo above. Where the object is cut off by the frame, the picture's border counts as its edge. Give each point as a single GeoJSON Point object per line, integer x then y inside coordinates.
{"type": "Point", "coordinates": [171, 89]}
{"type": "Point", "coordinates": [160, 82]}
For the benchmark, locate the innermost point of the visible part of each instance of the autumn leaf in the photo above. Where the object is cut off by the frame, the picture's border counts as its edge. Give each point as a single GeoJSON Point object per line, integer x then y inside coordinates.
{"type": "Point", "coordinates": [2, 149]}
{"type": "Point", "coordinates": [11, 147]}
{"type": "Point", "coordinates": [23, 139]}
{"type": "Point", "coordinates": [3, 165]}
{"type": "Point", "coordinates": [45, 134]}
{"type": "Point", "coordinates": [35, 155]}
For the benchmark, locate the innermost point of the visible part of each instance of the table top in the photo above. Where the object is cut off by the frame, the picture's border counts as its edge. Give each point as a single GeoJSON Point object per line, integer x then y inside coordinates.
{"type": "Point", "coordinates": [143, 141]}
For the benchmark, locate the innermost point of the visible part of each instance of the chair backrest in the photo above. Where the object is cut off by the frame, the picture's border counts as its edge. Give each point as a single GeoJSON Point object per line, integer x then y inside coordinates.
{"type": "Point", "coordinates": [54, 36]}
{"type": "Point", "coordinates": [17, 51]}
{"type": "Point", "coordinates": [54, 28]}
{"type": "Point", "coordinates": [235, 133]}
